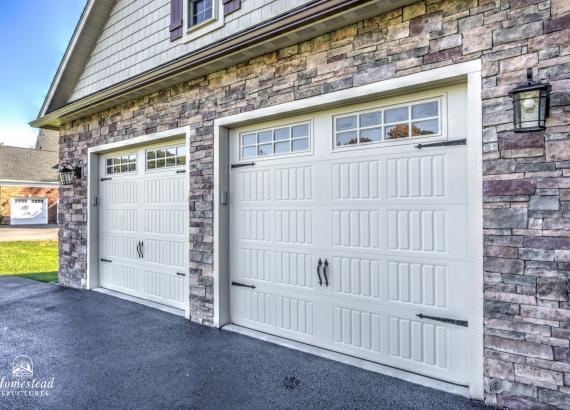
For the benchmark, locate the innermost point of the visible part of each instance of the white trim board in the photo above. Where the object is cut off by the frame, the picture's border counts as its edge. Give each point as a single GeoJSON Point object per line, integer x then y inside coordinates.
{"type": "Point", "coordinates": [352, 361]}
{"type": "Point", "coordinates": [93, 176]}
{"type": "Point", "coordinates": [29, 184]}
{"type": "Point", "coordinates": [467, 72]}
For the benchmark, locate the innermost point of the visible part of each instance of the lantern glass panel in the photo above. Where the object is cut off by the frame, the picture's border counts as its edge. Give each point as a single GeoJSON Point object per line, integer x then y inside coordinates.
{"type": "Point", "coordinates": [66, 177]}
{"type": "Point", "coordinates": [529, 104]}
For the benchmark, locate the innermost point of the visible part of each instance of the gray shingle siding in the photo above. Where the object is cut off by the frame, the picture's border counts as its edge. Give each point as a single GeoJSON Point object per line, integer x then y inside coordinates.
{"type": "Point", "coordinates": [136, 38]}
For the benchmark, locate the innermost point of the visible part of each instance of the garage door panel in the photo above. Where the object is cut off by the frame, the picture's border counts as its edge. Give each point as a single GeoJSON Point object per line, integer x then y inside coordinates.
{"type": "Point", "coordinates": [164, 221]}
{"type": "Point", "coordinates": [164, 190]}
{"type": "Point", "coordinates": [119, 219]}
{"type": "Point", "coordinates": [428, 231]}
{"type": "Point", "coordinates": [118, 276]}
{"type": "Point", "coordinates": [276, 266]}
{"type": "Point", "coordinates": [399, 340]}
{"type": "Point", "coordinates": [417, 177]}
{"type": "Point", "coordinates": [291, 316]}
{"type": "Point", "coordinates": [353, 276]}
{"type": "Point", "coordinates": [144, 230]}
{"type": "Point", "coordinates": [294, 184]}
{"type": "Point", "coordinates": [357, 329]}
{"type": "Point", "coordinates": [412, 284]}
{"type": "Point", "coordinates": [356, 228]}
{"type": "Point", "coordinates": [160, 286]}
{"type": "Point", "coordinates": [417, 230]}
{"type": "Point", "coordinates": [118, 246]}
{"type": "Point", "coordinates": [256, 186]}
{"type": "Point", "coordinates": [122, 192]}
{"type": "Point", "coordinates": [419, 284]}
{"type": "Point", "coordinates": [294, 226]}
{"type": "Point", "coordinates": [253, 225]}
{"type": "Point", "coordinates": [417, 341]}
{"type": "Point", "coordinates": [389, 219]}
{"type": "Point", "coordinates": [295, 269]}
{"type": "Point", "coordinates": [356, 180]}
{"type": "Point", "coordinates": [165, 252]}
{"type": "Point", "coordinates": [254, 263]}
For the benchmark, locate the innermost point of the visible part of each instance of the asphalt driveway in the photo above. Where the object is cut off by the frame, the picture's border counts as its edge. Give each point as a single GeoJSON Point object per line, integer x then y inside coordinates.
{"type": "Point", "coordinates": [28, 233]}
{"type": "Point", "coordinates": [103, 352]}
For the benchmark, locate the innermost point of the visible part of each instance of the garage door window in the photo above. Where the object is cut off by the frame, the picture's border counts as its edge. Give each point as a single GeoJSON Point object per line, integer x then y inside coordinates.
{"type": "Point", "coordinates": [121, 164]}
{"type": "Point", "coordinates": [276, 141]}
{"type": "Point", "coordinates": [400, 122]}
{"type": "Point", "coordinates": [166, 157]}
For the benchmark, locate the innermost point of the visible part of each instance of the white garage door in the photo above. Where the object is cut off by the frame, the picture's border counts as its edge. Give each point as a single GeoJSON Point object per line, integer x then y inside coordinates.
{"type": "Point", "coordinates": [345, 198]}
{"type": "Point", "coordinates": [29, 211]}
{"type": "Point", "coordinates": [144, 223]}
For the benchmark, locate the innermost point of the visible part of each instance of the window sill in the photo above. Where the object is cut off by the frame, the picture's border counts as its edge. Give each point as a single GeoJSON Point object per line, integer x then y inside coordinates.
{"type": "Point", "coordinates": [203, 28]}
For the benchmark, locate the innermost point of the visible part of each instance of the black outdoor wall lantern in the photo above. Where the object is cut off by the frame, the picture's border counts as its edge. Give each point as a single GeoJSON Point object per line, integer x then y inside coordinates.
{"type": "Point", "coordinates": [531, 104]}
{"type": "Point", "coordinates": [69, 173]}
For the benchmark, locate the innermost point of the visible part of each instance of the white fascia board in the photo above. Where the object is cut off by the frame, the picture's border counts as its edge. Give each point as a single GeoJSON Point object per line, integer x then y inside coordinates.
{"type": "Point", "coordinates": [29, 184]}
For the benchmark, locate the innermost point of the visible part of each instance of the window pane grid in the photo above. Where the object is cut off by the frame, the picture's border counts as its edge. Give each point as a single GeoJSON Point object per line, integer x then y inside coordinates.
{"type": "Point", "coordinates": [121, 164]}
{"type": "Point", "coordinates": [275, 141]}
{"type": "Point", "coordinates": [412, 120]}
{"type": "Point", "coordinates": [200, 11]}
{"type": "Point", "coordinates": [166, 157]}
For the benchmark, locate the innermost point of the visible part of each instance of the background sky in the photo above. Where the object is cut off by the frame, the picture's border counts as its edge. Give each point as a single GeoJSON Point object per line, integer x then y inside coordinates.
{"type": "Point", "coordinates": [33, 38]}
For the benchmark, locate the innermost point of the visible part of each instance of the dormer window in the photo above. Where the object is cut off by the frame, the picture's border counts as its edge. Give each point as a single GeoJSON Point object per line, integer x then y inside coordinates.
{"type": "Point", "coordinates": [200, 11]}
{"type": "Point", "coordinates": [191, 19]}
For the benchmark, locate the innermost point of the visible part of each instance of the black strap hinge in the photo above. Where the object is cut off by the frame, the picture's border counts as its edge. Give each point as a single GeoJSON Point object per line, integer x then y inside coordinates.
{"type": "Point", "coordinates": [443, 144]}
{"type": "Point", "coordinates": [456, 322]}
{"type": "Point", "coordinates": [105, 179]}
{"type": "Point", "coordinates": [243, 285]}
{"type": "Point", "coordinates": [245, 164]}
{"type": "Point", "coordinates": [106, 260]}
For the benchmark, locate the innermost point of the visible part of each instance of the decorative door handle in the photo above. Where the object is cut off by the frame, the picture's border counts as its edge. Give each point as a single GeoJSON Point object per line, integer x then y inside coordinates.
{"type": "Point", "coordinates": [142, 247]}
{"type": "Point", "coordinates": [319, 264]}
{"type": "Point", "coordinates": [139, 248]}
{"type": "Point", "coordinates": [325, 272]}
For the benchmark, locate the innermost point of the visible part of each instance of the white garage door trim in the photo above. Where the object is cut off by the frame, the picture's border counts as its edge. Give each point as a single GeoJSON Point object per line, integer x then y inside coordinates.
{"type": "Point", "coordinates": [93, 185]}
{"type": "Point", "coordinates": [28, 215]}
{"type": "Point", "coordinates": [470, 73]}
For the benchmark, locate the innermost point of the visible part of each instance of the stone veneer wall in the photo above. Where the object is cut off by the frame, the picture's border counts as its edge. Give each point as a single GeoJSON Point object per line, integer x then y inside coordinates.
{"type": "Point", "coordinates": [526, 176]}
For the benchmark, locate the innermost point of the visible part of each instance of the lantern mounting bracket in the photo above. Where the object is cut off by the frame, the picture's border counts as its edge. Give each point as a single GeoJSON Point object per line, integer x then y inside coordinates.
{"type": "Point", "coordinates": [68, 172]}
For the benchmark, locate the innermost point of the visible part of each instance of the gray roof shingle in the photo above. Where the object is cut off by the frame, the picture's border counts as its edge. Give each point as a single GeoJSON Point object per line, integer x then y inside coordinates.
{"type": "Point", "coordinates": [22, 164]}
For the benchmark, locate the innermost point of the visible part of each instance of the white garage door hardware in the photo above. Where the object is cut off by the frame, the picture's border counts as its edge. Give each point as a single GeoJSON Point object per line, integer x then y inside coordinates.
{"type": "Point", "coordinates": [356, 242]}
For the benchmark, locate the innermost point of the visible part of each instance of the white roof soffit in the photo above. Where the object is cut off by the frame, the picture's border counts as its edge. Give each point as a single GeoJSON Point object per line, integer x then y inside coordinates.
{"type": "Point", "coordinates": [311, 20]}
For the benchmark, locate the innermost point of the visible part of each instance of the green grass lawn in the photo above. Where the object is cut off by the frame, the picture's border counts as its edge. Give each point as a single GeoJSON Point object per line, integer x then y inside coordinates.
{"type": "Point", "coordinates": [37, 260]}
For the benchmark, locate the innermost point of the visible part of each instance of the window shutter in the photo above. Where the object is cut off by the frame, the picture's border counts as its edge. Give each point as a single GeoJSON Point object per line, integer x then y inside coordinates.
{"type": "Point", "coordinates": [231, 5]}
{"type": "Point", "coordinates": [175, 19]}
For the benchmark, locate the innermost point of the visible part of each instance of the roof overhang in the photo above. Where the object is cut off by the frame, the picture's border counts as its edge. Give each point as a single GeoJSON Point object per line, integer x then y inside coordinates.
{"type": "Point", "coordinates": [297, 25]}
